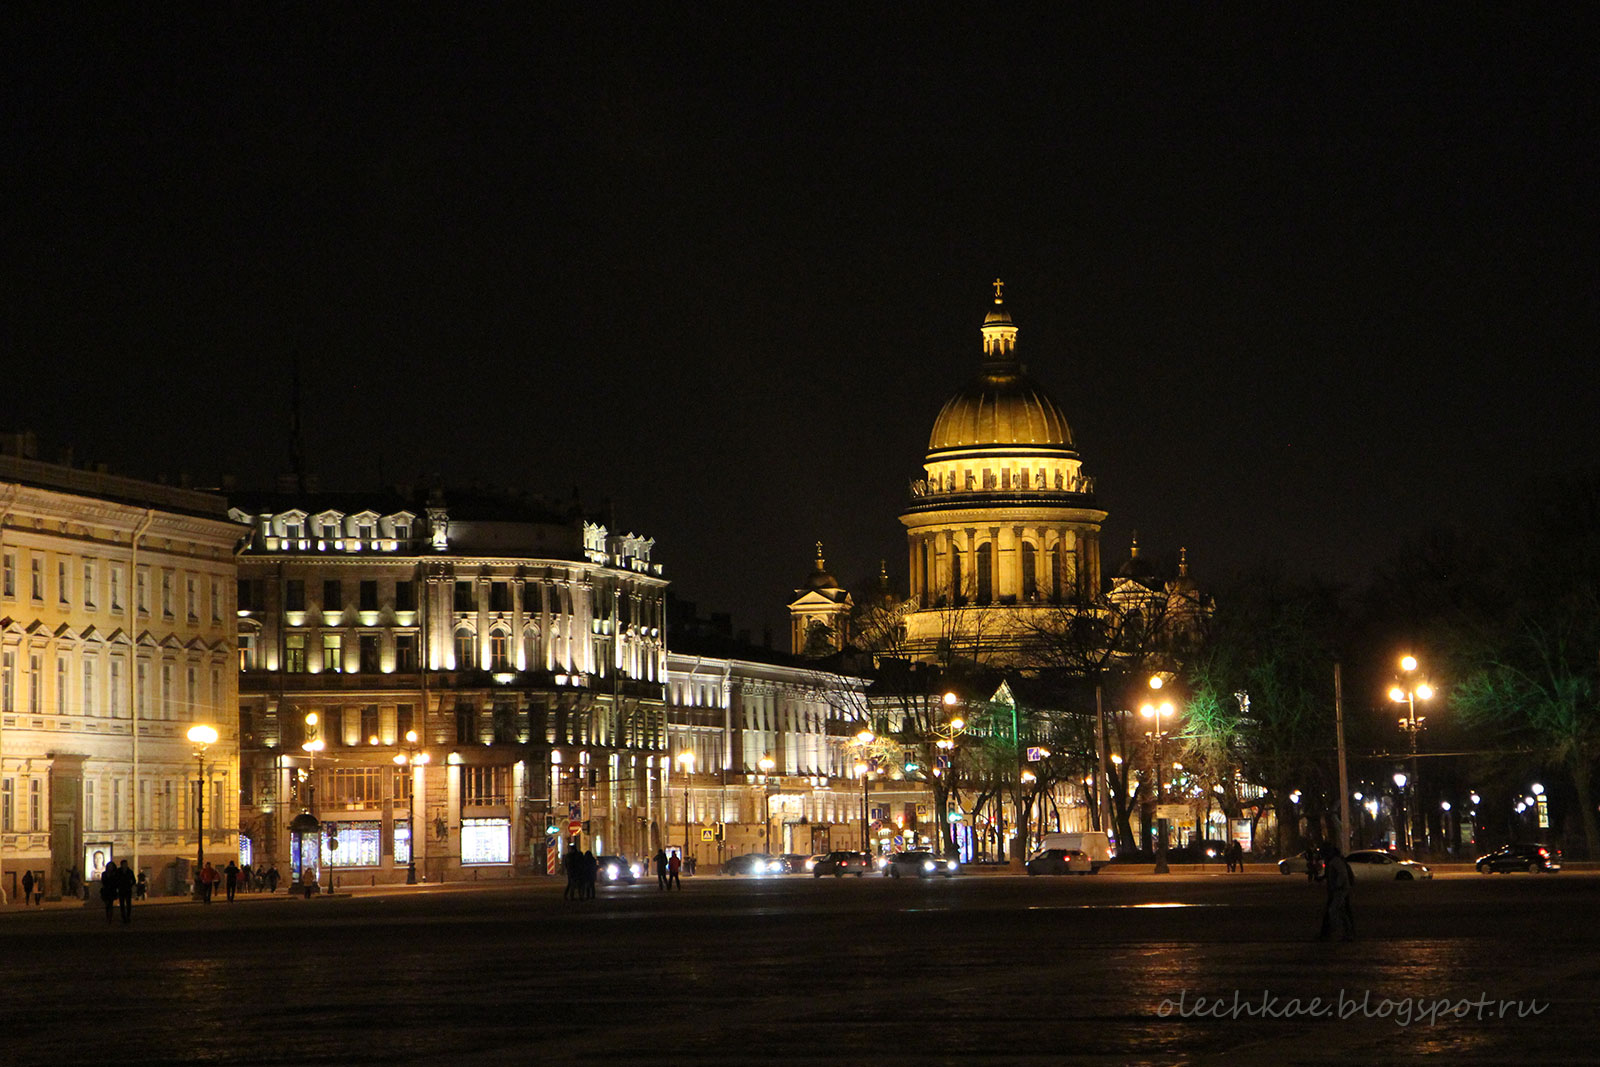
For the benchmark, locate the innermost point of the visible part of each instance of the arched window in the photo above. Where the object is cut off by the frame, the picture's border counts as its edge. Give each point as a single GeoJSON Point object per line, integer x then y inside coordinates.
{"type": "Point", "coordinates": [986, 573]}
{"type": "Point", "coordinates": [499, 650]}
{"type": "Point", "coordinates": [466, 660]}
{"type": "Point", "coordinates": [1030, 572]}
{"type": "Point", "coordinates": [1055, 571]}
{"type": "Point", "coordinates": [955, 573]}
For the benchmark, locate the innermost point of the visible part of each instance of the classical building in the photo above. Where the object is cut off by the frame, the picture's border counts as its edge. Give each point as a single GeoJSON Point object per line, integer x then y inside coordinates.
{"type": "Point", "coordinates": [1003, 526]}
{"type": "Point", "coordinates": [117, 624]}
{"type": "Point", "coordinates": [477, 662]}
{"type": "Point", "coordinates": [819, 616]}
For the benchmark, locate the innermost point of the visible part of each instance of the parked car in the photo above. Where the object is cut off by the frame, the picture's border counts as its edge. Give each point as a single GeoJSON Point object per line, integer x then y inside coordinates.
{"type": "Point", "coordinates": [919, 864]}
{"type": "Point", "coordinates": [757, 863]}
{"type": "Point", "coordinates": [1060, 861]}
{"type": "Point", "coordinates": [618, 870]}
{"type": "Point", "coordinates": [1374, 864]}
{"type": "Point", "coordinates": [840, 864]}
{"type": "Point", "coordinates": [1531, 858]}
{"type": "Point", "coordinates": [793, 863]}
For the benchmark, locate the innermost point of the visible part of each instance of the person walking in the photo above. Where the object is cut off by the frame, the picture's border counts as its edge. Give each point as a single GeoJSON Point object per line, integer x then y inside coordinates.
{"type": "Point", "coordinates": [1338, 914]}
{"type": "Point", "coordinates": [674, 865]}
{"type": "Point", "coordinates": [272, 878]}
{"type": "Point", "coordinates": [125, 884]}
{"type": "Point", "coordinates": [208, 879]}
{"type": "Point", "coordinates": [27, 888]}
{"type": "Point", "coordinates": [108, 887]}
{"type": "Point", "coordinates": [660, 860]}
{"type": "Point", "coordinates": [573, 862]}
{"type": "Point", "coordinates": [1235, 857]}
{"type": "Point", "coordinates": [1310, 856]}
{"type": "Point", "coordinates": [230, 875]}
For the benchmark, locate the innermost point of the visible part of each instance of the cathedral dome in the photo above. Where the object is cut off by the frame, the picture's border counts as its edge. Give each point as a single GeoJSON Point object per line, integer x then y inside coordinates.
{"type": "Point", "coordinates": [1000, 408]}
{"type": "Point", "coordinates": [1002, 405]}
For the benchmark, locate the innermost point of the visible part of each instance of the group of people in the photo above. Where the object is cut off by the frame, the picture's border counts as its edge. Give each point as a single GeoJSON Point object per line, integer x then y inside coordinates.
{"type": "Point", "coordinates": [235, 877]}
{"type": "Point", "coordinates": [582, 870]}
{"type": "Point", "coordinates": [667, 868]}
{"type": "Point", "coordinates": [117, 886]}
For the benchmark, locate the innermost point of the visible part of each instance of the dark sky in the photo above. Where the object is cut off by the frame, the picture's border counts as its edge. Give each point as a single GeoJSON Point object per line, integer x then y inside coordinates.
{"type": "Point", "coordinates": [1302, 285]}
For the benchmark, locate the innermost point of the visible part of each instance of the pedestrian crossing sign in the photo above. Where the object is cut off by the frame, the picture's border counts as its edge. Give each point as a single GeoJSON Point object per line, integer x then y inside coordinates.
{"type": "Point", "coordinates": [708, 834]}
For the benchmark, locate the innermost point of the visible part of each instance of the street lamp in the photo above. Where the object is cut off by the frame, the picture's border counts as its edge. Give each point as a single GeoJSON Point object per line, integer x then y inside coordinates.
{"type": "Point", "coordinates": [1408, 691]}
{"type": "Point", "coordinates": [1155, 712]}
{"type": "Point", "coordinates": [1400, 780]}
{"type": "Point", "coordinates": [864, 769]}
{"type": "Point", "coordinates": [312, 746]}
{"type": "Point", "coordinates": [766, 764]}
{"type": "Point", "coordinates": [202, 737]}
{"type": "Point", "coordinates": [412, 758]}
{"type": "Point", "coordinates": [686, 764]}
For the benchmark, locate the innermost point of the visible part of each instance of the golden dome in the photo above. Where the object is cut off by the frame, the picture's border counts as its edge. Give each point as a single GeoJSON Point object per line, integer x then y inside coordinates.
{"type": "Point", "coordinates": [1002, 405]}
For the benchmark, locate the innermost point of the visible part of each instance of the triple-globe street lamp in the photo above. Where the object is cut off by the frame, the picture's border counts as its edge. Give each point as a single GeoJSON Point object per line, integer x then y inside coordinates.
{"type": "Point", "coordinates": [1407, 690]}
{"type": "Point", "coordinates": [767, 765]}
{"type": "Point", "coordinates": [1156, 712]}
{"type": "Point", "coordinates": [686, 765]}
{"type": "Point", "coordinates": [411, 758]}
{"type": "Point", "coordinates": [202, 737]}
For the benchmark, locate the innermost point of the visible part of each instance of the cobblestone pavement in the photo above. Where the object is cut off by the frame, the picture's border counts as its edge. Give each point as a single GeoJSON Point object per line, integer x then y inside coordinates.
{"type": "Point", "coordinates": [975, 970]}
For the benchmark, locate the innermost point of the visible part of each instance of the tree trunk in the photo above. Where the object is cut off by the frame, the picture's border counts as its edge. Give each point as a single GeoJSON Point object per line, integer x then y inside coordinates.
{"type": "Point", "coordinates": [1579, 763]}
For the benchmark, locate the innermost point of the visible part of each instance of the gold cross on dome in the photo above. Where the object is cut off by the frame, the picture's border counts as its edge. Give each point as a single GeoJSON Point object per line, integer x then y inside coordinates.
{"type": "Point", "coordinates": [997, 284]}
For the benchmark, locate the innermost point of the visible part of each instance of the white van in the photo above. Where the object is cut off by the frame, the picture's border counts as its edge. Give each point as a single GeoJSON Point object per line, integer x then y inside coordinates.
{"type": "Point", "coordinates": [1092, 843]}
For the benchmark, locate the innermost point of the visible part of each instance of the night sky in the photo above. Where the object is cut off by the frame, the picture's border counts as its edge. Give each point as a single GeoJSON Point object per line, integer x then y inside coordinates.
{"type": "Point", "coordinates": [1303, 286]}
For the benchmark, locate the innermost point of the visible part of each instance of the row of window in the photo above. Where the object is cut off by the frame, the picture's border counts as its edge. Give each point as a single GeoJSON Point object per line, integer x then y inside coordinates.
{"type": "Point", "coordinates": [84, 587]}
{"type": "Point", "coordinates": [164, 804]}
{"type": "Point", "coordinates": [361, 842]}
{"type": "Point", "coordinates": [166, 690]}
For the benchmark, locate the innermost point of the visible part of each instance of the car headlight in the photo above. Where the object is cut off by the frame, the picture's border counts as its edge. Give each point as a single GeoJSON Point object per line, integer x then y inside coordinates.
{"type": "Point", "coordinates": [774, 867]}
{"type": "Point", "coordinates": [638, 870]}
{"type": "Point", "coordinates": [883, 864]}
{"type": "Point", "coordinates": [928, 865]}
{"type": "Point", "coordinates": [811, 865]}
{"type": "Point", "coordinates": [611, 872]}
{"type": "Point", "coordinates": [951, 864]}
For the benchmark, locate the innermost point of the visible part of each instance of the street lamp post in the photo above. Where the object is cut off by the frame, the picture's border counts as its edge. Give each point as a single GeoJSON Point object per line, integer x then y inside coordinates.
{"type": "Point", "coordinates": [412, 758]}
{"type": "Point", "coordinates": [1408, 691]}
{"type": "Point", "coordinates": [202, 737]}
{"type": "Point", "coordinates": [312, 745]}
{"type": "Point", "coordinates": [1155, 712]}
{"type": "Point", "coordinates": [686, 764]}
{"type": "Point", "coordinates": [1400, 781]}
{"type": "Point", "coordinates": [766, 764]}
{"type": "Point", "coordinates": [946, 744]}
{"type": "Point", "coordinates": [864, 769]}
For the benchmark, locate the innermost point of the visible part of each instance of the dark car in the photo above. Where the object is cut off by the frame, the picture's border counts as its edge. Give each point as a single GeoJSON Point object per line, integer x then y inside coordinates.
{"type": "Point", "coordinates": [617, 870]}
{"type": "Point", "coordinates": [918, 864]}
{"type": "Point", "coordinates": [753, 863]}
{"type": "Point", "coordinates": [840, 864]}
{"type": "Point", "coordinates": [793, 863]}
{"type": "Point", "coordinates": [1530, 858]}
{"type": "Point", "coordinates": [1059, 861]}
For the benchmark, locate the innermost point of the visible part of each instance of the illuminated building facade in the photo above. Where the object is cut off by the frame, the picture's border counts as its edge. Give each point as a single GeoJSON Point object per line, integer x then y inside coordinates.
{"type": "Point", "coordinates": [116, 612]}
{"type": "Point", "coordinates": [523, 648]}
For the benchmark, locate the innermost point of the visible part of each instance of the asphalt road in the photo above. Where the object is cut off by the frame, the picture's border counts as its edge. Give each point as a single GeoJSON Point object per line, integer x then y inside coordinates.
{"type": "Point", "coordinates": [974, 970]}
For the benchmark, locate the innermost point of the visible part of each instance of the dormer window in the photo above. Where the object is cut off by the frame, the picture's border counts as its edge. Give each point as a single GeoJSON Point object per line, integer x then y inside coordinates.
{"type": "Point", "coordinates": [402, 532]}
{"type": "Point", "coordinates": [366, 531]}
{"type": "Point", "coordinates": [330, 531]}
{"type": "Point", "coordinates": [292, 531]}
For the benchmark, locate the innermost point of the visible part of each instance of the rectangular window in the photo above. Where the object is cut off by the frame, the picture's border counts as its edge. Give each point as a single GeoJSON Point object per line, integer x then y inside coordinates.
{"type": "Point", "coordinates": [466, 651]}
{"type": "Point", "coordinates": [405, 596]}
{"type": "Point", "coordinates": [402, 532]}
{"type": "Point", "coordinates": [61, 685]}
{"type": "Point", "coordinates": [192, 693]}
{"type": "Point", "coordinates": [464, 598]}
{"type": "Point", "coordinates": [191, 598]}
{"type": "Point", "coordinates": [8, 582]}
{"type": "Point", "coordinates": [36, 570]}
{"type": "Point", "coordinates": [90, 812]}
{"type": "Point", "coordinates": [499, 596]}
{"type": "Point", "coordinates": [166, 594]}
{"type": "Point", "coordinates": [366, 531]}
{"type": "Point", "coordinates": [142, 689]}
{"type": "Point", "coordinates": [369, 596]}
{"type": "Point", "coordinates": [8, 692]}
{"type": "Point", "coordinates": [89, 598]}
{"type": "Point", "coordinates": [358, 786]}
{"type": "Point", "coordinates": [35, 805]}
{"type": "Point", "coordinates": [116, 804]}
{"type": "Point", "coordinates": [294, 595]}
{"type": "Point", "coordinates": [405, 721]}
{"type": "Point", "coordinates": [369, 653]}
{"type": "Point", "coordinates": [333, 653]}
{"type": "Point", "coordinates": [466, 725]}
{"type": "Point", "coordinates": [294, 653]}
{"type": "Point", "coordinates": [116, 587]}
{"type": "Point", "coordinates": [63, 582]}
{"type": "Point", "coordinates": [7, 806]}
{"type": "Point", "coordinates": [216, 600]}
{"type": "Point", "coordinates": [142, 817]}
{"type": "Point", "coordinates": [216, 689]}
{"type": "Point", "coordinates": [485, 840]}
{"type": "Point", "coordinates": [485, 785]}
{"type": "Point", "coordinates": [35, 684]}
{"type": "Point", "coordinates": [88, 688]}
{"type": "Point", "coordinates": [360, 843]}
{"type": "Point", "coordinates": [332, 596]}
{"type": "Point", "coordinates": [405, 653]}
{"type": "Point", "coordinates": [116, 687]}
{"type": "Point", "coordinates": [168, 692]}
{"type": "Point", "coordinates": [141, 592]}
{"type": "Point", "coordinates": [402, 840]}
{"type": "Point", "coordinates": [246, 594]}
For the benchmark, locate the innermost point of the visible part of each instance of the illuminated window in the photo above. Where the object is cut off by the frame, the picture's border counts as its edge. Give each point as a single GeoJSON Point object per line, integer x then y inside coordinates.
{"type": "Point", "coordinates": [485, 840]}
{"type": "Point", "coordinates": [360, 843]}
{"type": "Point", "coordinates": [402, 837]}
{"type": "Point", "coordinates": [333, 653]}
{"type": "Point", "coordinates": [405, 653]}
{"type": "Point", "coordinates": [465, 659]}
{"type": "Point", "coordinates": [499, 650]}
{"type": "Point", "coordinates": [294, 653]}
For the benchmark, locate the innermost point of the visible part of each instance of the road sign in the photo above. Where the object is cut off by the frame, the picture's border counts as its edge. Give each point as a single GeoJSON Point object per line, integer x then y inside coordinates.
{"type": "Point", "coordinates": [1035, 754]}
{"type": "Point", "coordinates": [574, 827]}
{"type": "Point", "coordinates": [708, 834]}
{"type": "Point", "coordinates": [1173, 812]}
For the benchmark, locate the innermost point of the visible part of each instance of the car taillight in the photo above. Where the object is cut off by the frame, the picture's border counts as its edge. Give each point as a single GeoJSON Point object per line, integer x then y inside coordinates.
{"type": "Point", "coordinates": [1544, 852]}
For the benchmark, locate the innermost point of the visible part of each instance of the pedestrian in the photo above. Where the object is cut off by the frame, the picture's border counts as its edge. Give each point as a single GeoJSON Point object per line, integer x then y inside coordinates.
{"type": "Point", "coordinates": [591, 871]}
{"type": "Point", "coordinates": [272, 878]}
{"type": "Point", "coordinates": [246, 877]}
{"type": "Point", "coordinates": [27, 888]}
{"type": "Point", "coordinates": [231, 879]}
{"type": "Point", "coordinates": [125, 884]}
{"type": "Point", "coordinates": [141, 886]}
{"type": "Point", "coordinates": [573, 862]}
{"type": "Point", "coordinates": [208, 878]}
{"type": "Point", "coordinates": [690, 864]}
{"type": "Point", "coordinates": [674, 865]}
{"type": "Point", "coordinates": [1310, 857]}
{"type": "Point", "coordinates": [1338, 914]}
{"type": "Point", "coordinates": [1235, 857]}
{"type": "Point", "coordinates": [660, 860]}
{"type": "Point", "coordinates": [109, 878]}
